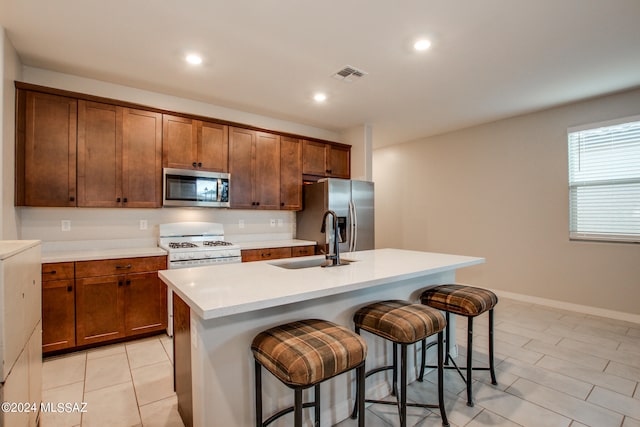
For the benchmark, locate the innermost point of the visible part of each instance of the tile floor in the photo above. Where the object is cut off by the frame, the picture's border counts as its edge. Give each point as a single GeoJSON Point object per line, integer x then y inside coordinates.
{"type": "Point", "coordinates": [554, 368]}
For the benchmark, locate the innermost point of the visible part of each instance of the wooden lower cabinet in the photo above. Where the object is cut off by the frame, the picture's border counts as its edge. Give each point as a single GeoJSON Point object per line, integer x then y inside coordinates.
{"type": "Point", "coordinates": [99, 309]}
{"type": "Point", "coordinates": [249, 255]}
{"type": "Point", "coordinates": [108, 300]}
{"type": "Point", "coordinates": [58, 315]}
{"type": "Point", "coordinates": [58, 306]}
{"type": "Point", "coordinates": [145, 299]}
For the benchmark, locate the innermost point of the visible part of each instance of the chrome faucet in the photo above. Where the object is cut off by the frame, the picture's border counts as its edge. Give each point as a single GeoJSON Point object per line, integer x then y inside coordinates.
{"type": "Point", "coordinates": [335, 256]}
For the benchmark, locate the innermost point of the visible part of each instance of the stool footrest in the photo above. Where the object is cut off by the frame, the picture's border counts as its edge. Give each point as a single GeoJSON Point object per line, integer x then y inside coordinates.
{"type": "Point", "coordinates": [415, 405]}
{"type": "Point", "coordinates": [285, 411]}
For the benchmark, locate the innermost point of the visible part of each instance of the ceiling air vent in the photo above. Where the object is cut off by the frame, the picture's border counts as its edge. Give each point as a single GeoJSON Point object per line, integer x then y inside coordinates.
{"type": "Point", "coordinates": [349, 74]}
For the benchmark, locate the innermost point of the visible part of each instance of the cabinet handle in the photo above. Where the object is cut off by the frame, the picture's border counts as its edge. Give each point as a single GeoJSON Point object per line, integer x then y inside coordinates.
{"type": "Point", "coordinates": [266, 255]}
{"type": "Point", "coordinates": [199, 164]}
{"type": "Point", "coordinates": [128, 282]}
{"type": "Point", "coordinates": [72, 199]}
{"type": "Point", "coordinates": [118, 200]}
{"type": "Point", "coordinates": [125, 200]}
{"type": "Point", "coordinates": [328, 170]}
{"type": "Point", "coordinates": [194, 164]}
{"type": "Point", "coordinates": [123, 267]}
{"type": "Point", "coordinates": [257, 203]}
{"type": "Point", "coordinates": [281, 203]}
{"type": "Point", "coordinates": [119, 282]}
{"type": "Point", "coordinates": [49, 272]}
{"type": "Point", "coordinates": [69, 288]}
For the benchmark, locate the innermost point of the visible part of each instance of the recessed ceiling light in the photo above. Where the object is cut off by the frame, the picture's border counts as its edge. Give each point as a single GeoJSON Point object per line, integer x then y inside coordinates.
{"type": "Point", "coordinates": [194, 59]}
{"type": "Point", "coordinates": [320, 97]}
{"type": "Point", "coordinates": [422, 44]}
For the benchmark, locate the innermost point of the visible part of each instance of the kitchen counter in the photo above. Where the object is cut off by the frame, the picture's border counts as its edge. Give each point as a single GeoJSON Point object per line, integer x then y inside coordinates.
{"type": "Point", "coordinates": [262, 244]}
{"type": "Point", "coordinates": [12, 247]}
{"type": "Point", "coordinates": [223, 307]}
{"type": "Point", "coordinates": [231, 288]}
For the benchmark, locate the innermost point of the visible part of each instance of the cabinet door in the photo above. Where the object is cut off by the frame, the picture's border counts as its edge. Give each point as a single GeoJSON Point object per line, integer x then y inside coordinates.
{"type": "Point", "coordinates": [145, 303]}
{"type": "Point", "coordinates": [314, 158]}
{"type": "Point", "coordinates": [213, 147]}
{"type": "Point", "coordinates": [241, 155]}
{"type": "Point", "coordinates": [179, 148]}
{"type": "Point", "coordinates": [249, 255]}
{"type": "Point", "coordinates": [142, 159]}
{"type": "Point", "coordinates": [290, 173]}
{"type": "Point", "coordinates": [267, 171]}
{"type": "Point", "coordinates": [58, 315]}
{"type": "Point", "coordinates": [339, 163]}
{"type": "Point", "coordinates": [99, 309]}
{"type": "Point", "coordinates": [99, 155]}
{"type": "Point", "coordinates": [46, 150]}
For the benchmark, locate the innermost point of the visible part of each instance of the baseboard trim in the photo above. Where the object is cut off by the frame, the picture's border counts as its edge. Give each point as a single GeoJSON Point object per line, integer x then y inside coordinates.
{"type": "Point", "coordinates": [585, 309]}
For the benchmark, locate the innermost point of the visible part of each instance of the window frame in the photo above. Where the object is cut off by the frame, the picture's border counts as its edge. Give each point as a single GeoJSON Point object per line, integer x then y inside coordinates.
{"type": "Point", "coordinates": [574, 234]}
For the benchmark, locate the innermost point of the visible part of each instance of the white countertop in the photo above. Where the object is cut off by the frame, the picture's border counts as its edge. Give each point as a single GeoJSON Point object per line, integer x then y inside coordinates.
{"type": "Point", "coordinates": [223, 290]}
{"type": "Point", "coordinates": [98, 254]}
{"type": "Point", "coordinates": [275, 244]}
{"type": "Point", "coordinates": [11, 247]}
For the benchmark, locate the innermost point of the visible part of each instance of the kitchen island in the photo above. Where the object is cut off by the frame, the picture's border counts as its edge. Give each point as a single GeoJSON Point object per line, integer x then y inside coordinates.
{"type": "Point", "coordinates": [219, 309]}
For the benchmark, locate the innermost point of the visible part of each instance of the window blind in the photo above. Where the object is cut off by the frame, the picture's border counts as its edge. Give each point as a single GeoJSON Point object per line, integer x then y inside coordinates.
{"type": "Point", "coordinates": [604, 181]}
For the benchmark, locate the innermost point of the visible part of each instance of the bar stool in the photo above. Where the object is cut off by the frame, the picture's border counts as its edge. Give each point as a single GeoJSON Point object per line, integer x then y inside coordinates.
{"type": "Point", "coordinates": [403, 323]}
{"type": "Point", "coordinates": [303, 354]}
{"type": "Point", "coordinates": [470, 302]}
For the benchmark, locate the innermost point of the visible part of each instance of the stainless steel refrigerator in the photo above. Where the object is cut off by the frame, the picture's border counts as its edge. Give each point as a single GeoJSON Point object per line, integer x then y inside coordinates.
{"type": "Point", "coordinates": [352, 201]}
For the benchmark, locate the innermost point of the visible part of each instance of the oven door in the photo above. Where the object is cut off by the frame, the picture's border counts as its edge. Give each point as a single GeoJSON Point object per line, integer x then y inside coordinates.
{"type": "Point", "coordinates": [195, 188]}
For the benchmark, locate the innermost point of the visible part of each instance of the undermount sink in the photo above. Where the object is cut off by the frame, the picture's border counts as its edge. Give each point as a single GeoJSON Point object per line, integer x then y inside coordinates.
{"type": "Point", "coordinates": [308, 263]}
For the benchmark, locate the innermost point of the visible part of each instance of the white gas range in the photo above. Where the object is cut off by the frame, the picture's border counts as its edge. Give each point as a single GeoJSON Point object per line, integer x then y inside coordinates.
{"type": "Point", "coordinates": [196, 244]}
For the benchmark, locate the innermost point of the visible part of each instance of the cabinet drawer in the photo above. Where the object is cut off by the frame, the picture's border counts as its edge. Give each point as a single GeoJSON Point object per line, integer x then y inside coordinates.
{"type": "Point", "coordinates": [57, 271]}
{"type": "Point", "coordinates": [109, 267]}
{"type": "Point", "coordinates": [303, 250]}
{"type": "Point", "coordinates": [264, 254]}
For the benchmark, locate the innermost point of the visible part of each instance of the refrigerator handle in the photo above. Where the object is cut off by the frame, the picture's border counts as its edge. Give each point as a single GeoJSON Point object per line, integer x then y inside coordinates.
{"type": "Point", "coordinates": [354, 227]}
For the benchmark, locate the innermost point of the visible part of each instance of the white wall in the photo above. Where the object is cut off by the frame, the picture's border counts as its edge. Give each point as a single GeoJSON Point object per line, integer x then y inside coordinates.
{"type": "Point", "coordinates": [500, 191]}
{"type": "Point", "coordinates": [360, 139]}
{"type": "Point", "coordinates": [10, 70]}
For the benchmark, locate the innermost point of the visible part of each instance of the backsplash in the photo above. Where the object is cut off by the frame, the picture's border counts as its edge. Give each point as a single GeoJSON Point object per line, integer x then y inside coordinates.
{"type": "Point", "coordinates": [106, 224]}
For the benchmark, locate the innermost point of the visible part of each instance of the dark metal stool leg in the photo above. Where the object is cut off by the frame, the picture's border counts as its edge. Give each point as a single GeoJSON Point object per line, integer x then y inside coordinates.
{"type": "Point", "coordinates": [316, 395]}
{"type": "Point", "coordinates": [394, 389]}
{"type": "Point", "coordinates": [423, 359]}
{"type": "Point", "coordinates": [297, 408]}
{"type": "Point", "coordinates": [469, 360]}
{"type": "Point", "coordinates": [258, 383]}
{"type": "Point", "coordinates": [443, 411]}
{"type": "Point", "coordinates": [446, 360]}
{"type": "Point", "coordinates": [403, 386]}
{"type": "Point", "coordinates": [360, 396]}
{"type": "Point", "coordinates": [492, 368]}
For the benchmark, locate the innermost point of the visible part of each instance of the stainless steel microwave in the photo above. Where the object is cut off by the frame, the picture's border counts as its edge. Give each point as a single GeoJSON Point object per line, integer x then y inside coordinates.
{"type": "Point", "coordinates": [183, 187]}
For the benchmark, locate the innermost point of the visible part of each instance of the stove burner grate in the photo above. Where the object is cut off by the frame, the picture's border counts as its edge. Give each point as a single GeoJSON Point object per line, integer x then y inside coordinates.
{"type": "Point", "coordinates": [175, 245]}
{"type": "Point", "coordinates": [216, 243]}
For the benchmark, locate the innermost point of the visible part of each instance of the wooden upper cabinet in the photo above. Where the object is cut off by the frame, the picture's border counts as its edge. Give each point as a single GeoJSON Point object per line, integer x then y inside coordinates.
{"type": "Point", "coordinates": [326, 160]}
{"type": "Point", "coordinates": [254, 164]}
{"type": "Point", "coordinates": [314, 156]}
{"type": "Point", "coordinates": [45, 150]}
{"type": "Point", "coordinates": [194, 144]}
{"type": "Point", "coordinates": [290, 173]}
{"type": "Point", "coordinates": [99, 154]}
{"type": "Point", "coordinates": [267, 171]}
{"type": "Point", "coordinates": [241, 146]}
{"type": "Point", "coordinates": [339, 162]}
{"type": "Point", "coordinates": [141, 159]}
{"type": "Point", "coordinates": [119, 156]}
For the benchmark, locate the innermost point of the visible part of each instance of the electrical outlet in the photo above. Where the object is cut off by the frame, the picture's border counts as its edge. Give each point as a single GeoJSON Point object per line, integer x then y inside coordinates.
{"type": "Point", "coordinates": [273, 222]}
{"type": "Point", "coordinates": [143, 224]}
{"type": "Point", "coordinates": [66, 225]}
{"type": "Point", "coordinates": [241, 223]}
{"type": "Point", "coordinates": [280, 222]}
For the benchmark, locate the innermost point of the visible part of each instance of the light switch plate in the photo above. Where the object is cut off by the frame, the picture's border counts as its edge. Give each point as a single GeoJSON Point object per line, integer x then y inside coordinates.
{"type": "Point", "coordinates": [66, 225]}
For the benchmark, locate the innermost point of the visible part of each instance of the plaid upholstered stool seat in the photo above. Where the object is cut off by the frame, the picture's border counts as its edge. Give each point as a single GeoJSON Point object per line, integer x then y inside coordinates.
{"type": "Point", "coordinates": [470, 302]}
{"type": "Point", "coordinates": [403, 324]}
{"type": "Point", "coordinates": [303, 354]}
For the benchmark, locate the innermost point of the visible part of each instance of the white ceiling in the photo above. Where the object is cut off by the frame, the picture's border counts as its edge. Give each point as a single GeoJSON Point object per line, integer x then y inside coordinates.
{"type": "Point", "coordinates": [490, 58]}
